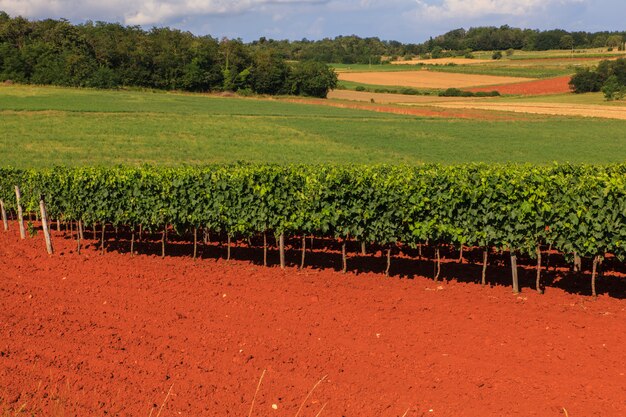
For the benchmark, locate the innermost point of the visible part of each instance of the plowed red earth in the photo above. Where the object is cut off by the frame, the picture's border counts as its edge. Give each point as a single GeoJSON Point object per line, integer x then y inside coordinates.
{"type": "Point", "coordinates": [556, 85]}
{"type": "Point", "coordinates": [113, 335]}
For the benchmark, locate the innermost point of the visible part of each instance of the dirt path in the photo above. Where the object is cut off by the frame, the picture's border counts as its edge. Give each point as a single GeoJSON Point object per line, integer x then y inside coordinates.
{"type": "Point", "coordinates": [86, 335]}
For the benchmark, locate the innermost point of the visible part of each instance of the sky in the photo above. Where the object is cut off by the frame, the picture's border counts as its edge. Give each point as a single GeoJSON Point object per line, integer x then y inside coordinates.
{"type": "Point", "coordinates": [411, 21]}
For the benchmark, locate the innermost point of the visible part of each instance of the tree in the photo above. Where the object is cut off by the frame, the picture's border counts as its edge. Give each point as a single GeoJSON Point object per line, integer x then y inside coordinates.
{"type": "Point", "coordinates": [312, 78]}
{"type": "Point", "coordinates": [614, 41]}
{"type": "Point", "coordinates": [496, 55]}
{"type": "Point", "coordinates": [268, 74]}
{"type": "Point", "coordinates": [585, 81]}
{"type": "Point", "coordinates": [566, 42]}
{"type": "Point", "coordinates": [613, 90]}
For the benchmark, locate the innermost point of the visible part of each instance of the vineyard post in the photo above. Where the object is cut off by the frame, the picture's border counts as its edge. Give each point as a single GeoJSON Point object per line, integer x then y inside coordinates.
{"type": "Point", "coordinates": [388, 261]}
{"type": "Point", "coordinates": [363, 249]}
{"type": "Point", "coordinates": [4, 216]}
{"type": "Point", "coordinates": [195, 242]}
{"type": "Point", "coordinates": [81, 230]}
{"type": "Point", "coordinates": [303, 252]}
{"type": "Point", "coordinates": [538, 284]}
{"type": "Point", "coordinates": [20, 214]}
{"type": "Point", "coordinates": [79, 236]}
{"type": "Point", "coordinates": [282, 250]}
{"type": "Point", "coordinates": [460, 255]}
{"type": "Point", "coordinates": [102, 238]}
{"type": "Point", "coordinates": [95, 231]}
{"type": "Point", "coordinates": [163, 239]}
{"type": "Point", "coordinates": [132, 241]}
{"type": "Point", "coordinates": [58, 225]}
{"type": "Point", "coordinates": [483, 281]}
{"type": "Point", "coordinates": [228, 247]}
{"type": "Point", "coordinates": [514, 272]}
{"type": "Point", "coordinates": [577, 263]}
{"type": "Point", "coordinates": [265, 248]}
{"type": "Point", "coordinates": [44, 222]}
{"type": "Point", "coordinates": [344, 258]}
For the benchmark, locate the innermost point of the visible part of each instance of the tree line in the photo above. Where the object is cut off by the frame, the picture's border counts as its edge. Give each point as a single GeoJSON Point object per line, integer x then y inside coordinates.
{"type": "Point", "coordinates": [492, 38]}
{"type": "Point", "coordinates": [356, 50]}
{"type": "Point", "coordinates": [110, 55]}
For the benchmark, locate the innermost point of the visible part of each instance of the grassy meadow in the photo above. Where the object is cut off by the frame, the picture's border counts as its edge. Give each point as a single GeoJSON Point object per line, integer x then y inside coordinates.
{"type": "Point", "coordinates": [44, 126]}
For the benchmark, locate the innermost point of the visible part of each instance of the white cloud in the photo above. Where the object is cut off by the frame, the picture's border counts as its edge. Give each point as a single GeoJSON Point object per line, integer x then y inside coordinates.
{"type": "Point", "coordinates": [477, 8]}
{"type": "Point", "coordinates": [138, 12]}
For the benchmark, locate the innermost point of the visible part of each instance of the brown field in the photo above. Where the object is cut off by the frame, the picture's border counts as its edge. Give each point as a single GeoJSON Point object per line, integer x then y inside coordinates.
{"type": "Point", "coordinates": [427, 79]}
{"type": "Point", "coordinates": [556, 109]}
{"type": "Point", "coordinates": [443, 61]}
{"type": "Point", "coordinates": [386, 98]}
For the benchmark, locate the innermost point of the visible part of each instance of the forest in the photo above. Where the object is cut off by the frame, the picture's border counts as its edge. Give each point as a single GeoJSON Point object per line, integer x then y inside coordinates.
{"type": "Point", "coordinates": [110, 55]}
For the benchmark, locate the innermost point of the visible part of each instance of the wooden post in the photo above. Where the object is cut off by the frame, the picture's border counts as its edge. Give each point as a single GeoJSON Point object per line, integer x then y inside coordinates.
{"type": "Point", "coordinates": [20, 214]}
{"type": "Point", "coordinates": [344, 258]}
{"type": "Point", "coordinates": [81, 229]}
{"type": "Point", "coordinates": [58, 225]}
{"type": "Point", "coordinates": [282, 250]}
{"type": "Point", "coordinates": [46, 230]}
{"type": "Point", "coordinates": [303, 252]}
{"type": "Point", "coordinates": [538, 284]}
{"type": "Point", "coordinates": [577, 263]}
{"type": "Point", "coordinates": [163, 238]}
{"type": "Point", "coordinates": [4, 216]}
{"type": "Point", "coordinates": [483, 281]}
{"type": "Point", "coordinates": [264, 248]}
{"type": "Point", "coordinates": [102, 239]}
{"type": "Point", "coordinates": [79, 236]}
{"type": "Point", "coordinates": [132, 242]}
{"type": "Point", "coordinates": [195, 242]}
{"type": "Point", "coordinates": [363, 249]}
{"type": "Point", "coordinates": [438, 263]}
{"type": "Point", "coordinates": [388, 261]}
{"type": "Point", "coordinates": [514, 273]}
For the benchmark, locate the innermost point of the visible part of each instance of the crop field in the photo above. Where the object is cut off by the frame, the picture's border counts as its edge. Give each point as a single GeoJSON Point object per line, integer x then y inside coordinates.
{"type": "Point", "coordinates": [427, 79]}
{"type": "Point", "coordinates": [47, 126]}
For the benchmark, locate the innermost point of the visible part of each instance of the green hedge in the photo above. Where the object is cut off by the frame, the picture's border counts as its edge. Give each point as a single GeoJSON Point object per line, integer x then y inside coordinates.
{"type": "Point", "coordinates": [574, 208]}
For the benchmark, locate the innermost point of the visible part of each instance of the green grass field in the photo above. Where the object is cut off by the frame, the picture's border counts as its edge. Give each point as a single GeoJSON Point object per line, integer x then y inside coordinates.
{"type": "Point", "coordinates": [43, 126]}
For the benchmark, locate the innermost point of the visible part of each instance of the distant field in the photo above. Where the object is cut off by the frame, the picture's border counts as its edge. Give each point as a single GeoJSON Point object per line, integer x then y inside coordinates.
{"type": "Point", "coordinates": [46, 126]}
{"type": "Point", "coordinates": [427, 79]}
{"type": "Point", "coordinates": [503, 70]}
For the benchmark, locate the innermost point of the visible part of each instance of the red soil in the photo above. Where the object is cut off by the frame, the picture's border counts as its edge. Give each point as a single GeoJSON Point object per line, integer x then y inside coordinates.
{"type": "Point", "coordinates": [86, 335]}
{"type": "Point", "coordinates": [556, 85]}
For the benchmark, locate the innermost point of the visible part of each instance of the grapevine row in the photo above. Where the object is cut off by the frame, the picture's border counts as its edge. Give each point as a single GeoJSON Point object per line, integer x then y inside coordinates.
{"type": "Point", "coordinates": [575, 209]}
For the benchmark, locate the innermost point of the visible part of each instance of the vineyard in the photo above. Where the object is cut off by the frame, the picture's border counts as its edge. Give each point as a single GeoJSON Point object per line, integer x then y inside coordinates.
{"type": "Point", "coordinates": [578, 210]}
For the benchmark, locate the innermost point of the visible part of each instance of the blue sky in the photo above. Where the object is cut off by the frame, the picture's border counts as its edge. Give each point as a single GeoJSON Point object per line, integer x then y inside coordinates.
{"type": "Point", "coordinates": [403, 20]}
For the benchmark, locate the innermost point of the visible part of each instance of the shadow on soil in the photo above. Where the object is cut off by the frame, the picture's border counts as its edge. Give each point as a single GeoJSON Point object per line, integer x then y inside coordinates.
{"type": "Point", "coordinates": [405, 262]}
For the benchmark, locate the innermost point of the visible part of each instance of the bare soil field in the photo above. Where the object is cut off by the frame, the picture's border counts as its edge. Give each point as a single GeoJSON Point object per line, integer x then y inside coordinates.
{"type": "Point", "coordinates": [114, 335]}
{"type": "Point", "coordinates": [427, 79]}
{"type": "Point", "coordinates": [558, 85]}
{"type": "Point", "coordinates": [556, 109]}
{"type": "Point", "coordinates": [386, 98]}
